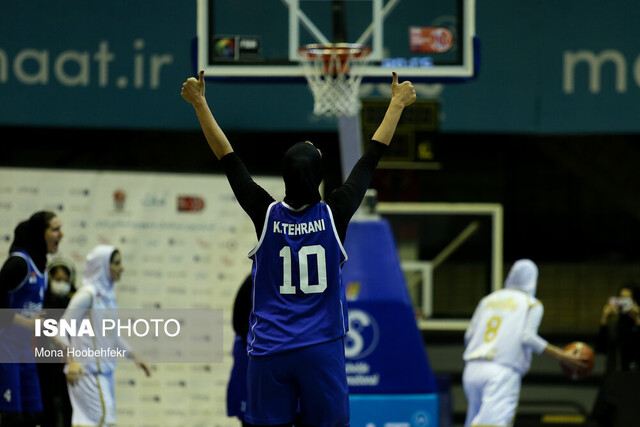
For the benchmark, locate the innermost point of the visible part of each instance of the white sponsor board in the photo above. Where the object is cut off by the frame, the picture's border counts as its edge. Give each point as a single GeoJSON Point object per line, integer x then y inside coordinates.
{"type": "Point", "coordinates": [184, 241]}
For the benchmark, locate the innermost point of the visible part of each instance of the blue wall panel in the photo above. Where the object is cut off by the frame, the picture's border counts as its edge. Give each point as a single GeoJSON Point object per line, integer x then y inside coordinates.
{"type": "Point", "coordinates": [90, 63]}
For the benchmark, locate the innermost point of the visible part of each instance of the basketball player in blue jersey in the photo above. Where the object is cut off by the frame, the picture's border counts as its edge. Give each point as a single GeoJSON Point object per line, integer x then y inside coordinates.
{"type": "Point", "coordinates": [237, 385]}
{"type": "Point", "coordinates": [299, 316]}
{"type": "Point", "coordinates": [23, 283]}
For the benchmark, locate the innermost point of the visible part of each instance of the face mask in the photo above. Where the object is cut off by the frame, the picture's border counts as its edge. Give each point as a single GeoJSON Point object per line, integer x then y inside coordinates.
{"type": "Point", "coordinates": [60, 287]}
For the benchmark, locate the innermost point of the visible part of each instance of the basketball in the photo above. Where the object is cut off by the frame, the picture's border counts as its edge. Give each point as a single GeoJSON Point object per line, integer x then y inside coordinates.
{"type": "Point", "coordinates": [586, 352]}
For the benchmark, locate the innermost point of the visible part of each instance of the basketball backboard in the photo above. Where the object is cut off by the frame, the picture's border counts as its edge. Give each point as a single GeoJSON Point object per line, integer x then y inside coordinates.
{"type": "Point", "coordinates": [257, 40]}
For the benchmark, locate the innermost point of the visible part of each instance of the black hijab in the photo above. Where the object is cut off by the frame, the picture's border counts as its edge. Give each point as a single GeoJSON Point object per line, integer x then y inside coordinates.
{"type": "Point", "coordinates": [302, 174]}
{"type": "Point", "coordinates": [29, 237]}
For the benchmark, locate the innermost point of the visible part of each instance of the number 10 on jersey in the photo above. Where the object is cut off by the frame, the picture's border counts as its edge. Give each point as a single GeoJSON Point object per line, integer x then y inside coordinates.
{"type": "Point", "coordinates": [287, 287]}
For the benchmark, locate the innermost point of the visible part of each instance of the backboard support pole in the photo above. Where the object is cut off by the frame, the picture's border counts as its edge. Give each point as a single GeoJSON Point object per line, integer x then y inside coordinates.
{"type": "Point", "coordinates": [350, 140]}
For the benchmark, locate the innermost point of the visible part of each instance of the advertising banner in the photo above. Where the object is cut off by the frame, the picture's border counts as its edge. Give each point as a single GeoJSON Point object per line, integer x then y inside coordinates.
{"type": "Point", "coordinates": [184, 242]}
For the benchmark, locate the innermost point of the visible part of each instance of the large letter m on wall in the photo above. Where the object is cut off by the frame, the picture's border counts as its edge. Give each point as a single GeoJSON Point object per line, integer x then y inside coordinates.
{"type": "Point", "coordinates": [594, 63]}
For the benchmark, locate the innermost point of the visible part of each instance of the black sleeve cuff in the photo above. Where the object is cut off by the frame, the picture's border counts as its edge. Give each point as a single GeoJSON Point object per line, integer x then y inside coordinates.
{"type": "Point", "coordinates": [377, 148]}
{"type": "Point", "coordinates": [228, 160]}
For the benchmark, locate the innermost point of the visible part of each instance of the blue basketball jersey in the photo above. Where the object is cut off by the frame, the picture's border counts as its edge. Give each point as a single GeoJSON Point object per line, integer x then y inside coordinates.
{"type": "Point", "coordinates": [19, 384]}
{"type": "Point", "coordinates": [26, 299]}
{"type": "Point", "coordinates": [28, 296]}
{"type": "Point", "coordinates": [298, 297]}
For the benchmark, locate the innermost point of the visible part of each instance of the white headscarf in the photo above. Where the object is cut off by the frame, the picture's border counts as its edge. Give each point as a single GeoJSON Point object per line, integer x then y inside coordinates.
{"type": "Point", "coordinates": [524, 276]}
{"type": "Point", "coordinates": [97, 274]}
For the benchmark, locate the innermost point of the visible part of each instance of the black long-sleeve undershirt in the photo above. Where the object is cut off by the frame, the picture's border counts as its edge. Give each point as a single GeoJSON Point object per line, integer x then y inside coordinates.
{"type": "Point", "coordinates": [13, 272]}
{"type": "Point", "coordinates": [343, 201]}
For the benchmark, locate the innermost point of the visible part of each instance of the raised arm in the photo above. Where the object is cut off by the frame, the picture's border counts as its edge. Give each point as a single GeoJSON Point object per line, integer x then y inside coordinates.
{"type": "Point", "coordinates": [346, 199]}
{"type": "Point", "coordinates": [402, 95]}
{"type": "Point", "coordinates": [252, 198]}
{"type": "Point", "coordinates": [193, 92]}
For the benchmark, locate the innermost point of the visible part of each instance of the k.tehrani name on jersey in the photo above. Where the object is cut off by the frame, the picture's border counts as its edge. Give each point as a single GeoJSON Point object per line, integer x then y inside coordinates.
{"type": "Point", "coordinates": [297, 229]}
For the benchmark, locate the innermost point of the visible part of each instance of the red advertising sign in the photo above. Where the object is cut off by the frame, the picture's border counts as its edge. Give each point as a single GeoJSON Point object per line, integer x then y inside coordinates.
{"type": "Point", "coordinates": [430, 39]}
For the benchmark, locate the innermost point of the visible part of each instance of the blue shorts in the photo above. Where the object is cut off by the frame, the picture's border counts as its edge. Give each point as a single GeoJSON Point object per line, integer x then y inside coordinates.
{"type": "Point", "coordinates": [19, 381]}
{"type": "Point", "coordinates": [19, 388]}
{"type": "Point", "coordinates": [312, 378]}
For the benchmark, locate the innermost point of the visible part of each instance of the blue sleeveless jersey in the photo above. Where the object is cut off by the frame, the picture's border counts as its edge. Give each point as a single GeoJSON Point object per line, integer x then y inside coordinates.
{"type": "Point", "coordinates": [26, 299]}
{"type": "Point", "coordinates": [298, 297]}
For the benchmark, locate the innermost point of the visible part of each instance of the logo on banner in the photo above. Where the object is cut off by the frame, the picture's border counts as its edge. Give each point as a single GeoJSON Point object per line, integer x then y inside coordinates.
{"type": "Point", "coordinates": [28, 190]}
{"type": "Point", "coordinates": [363, 336]}
{"type": "Point", "coordinates": [119, 197]}
{"type": "Point", "coordinates": [54, 207]}
{"type": "Point", "coordinates": [430, 39]}
{"type": "Point", "coordinates": [154, 200]}
{"type": "Point", "coordinates": [353, 290]}
{"type": "Point", "coordinates": [79, 240]}
{"type": "Point", "coordinates": [420, 419]}
{"type": "Point", "coordinates": [361, 340]}
{"type": "Point", "coordinates": [190, 204]}
{"type": "Point", "coordinates": [83, 192]}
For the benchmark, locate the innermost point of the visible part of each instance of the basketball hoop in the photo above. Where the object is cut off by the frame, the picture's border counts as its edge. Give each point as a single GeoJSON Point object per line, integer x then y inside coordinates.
{"type": "Point", "coordinates": [334, 73]}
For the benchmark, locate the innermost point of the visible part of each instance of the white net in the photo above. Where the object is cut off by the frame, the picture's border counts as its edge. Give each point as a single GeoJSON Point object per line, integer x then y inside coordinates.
{"type": "Point", "coordinates": [334, 76]}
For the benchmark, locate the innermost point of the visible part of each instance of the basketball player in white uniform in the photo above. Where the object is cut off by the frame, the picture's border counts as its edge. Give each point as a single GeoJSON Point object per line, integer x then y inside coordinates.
{"type": "Point", "coordinates": [90, 381]}
{"type": "Point", "coordinates": [501, 336]}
